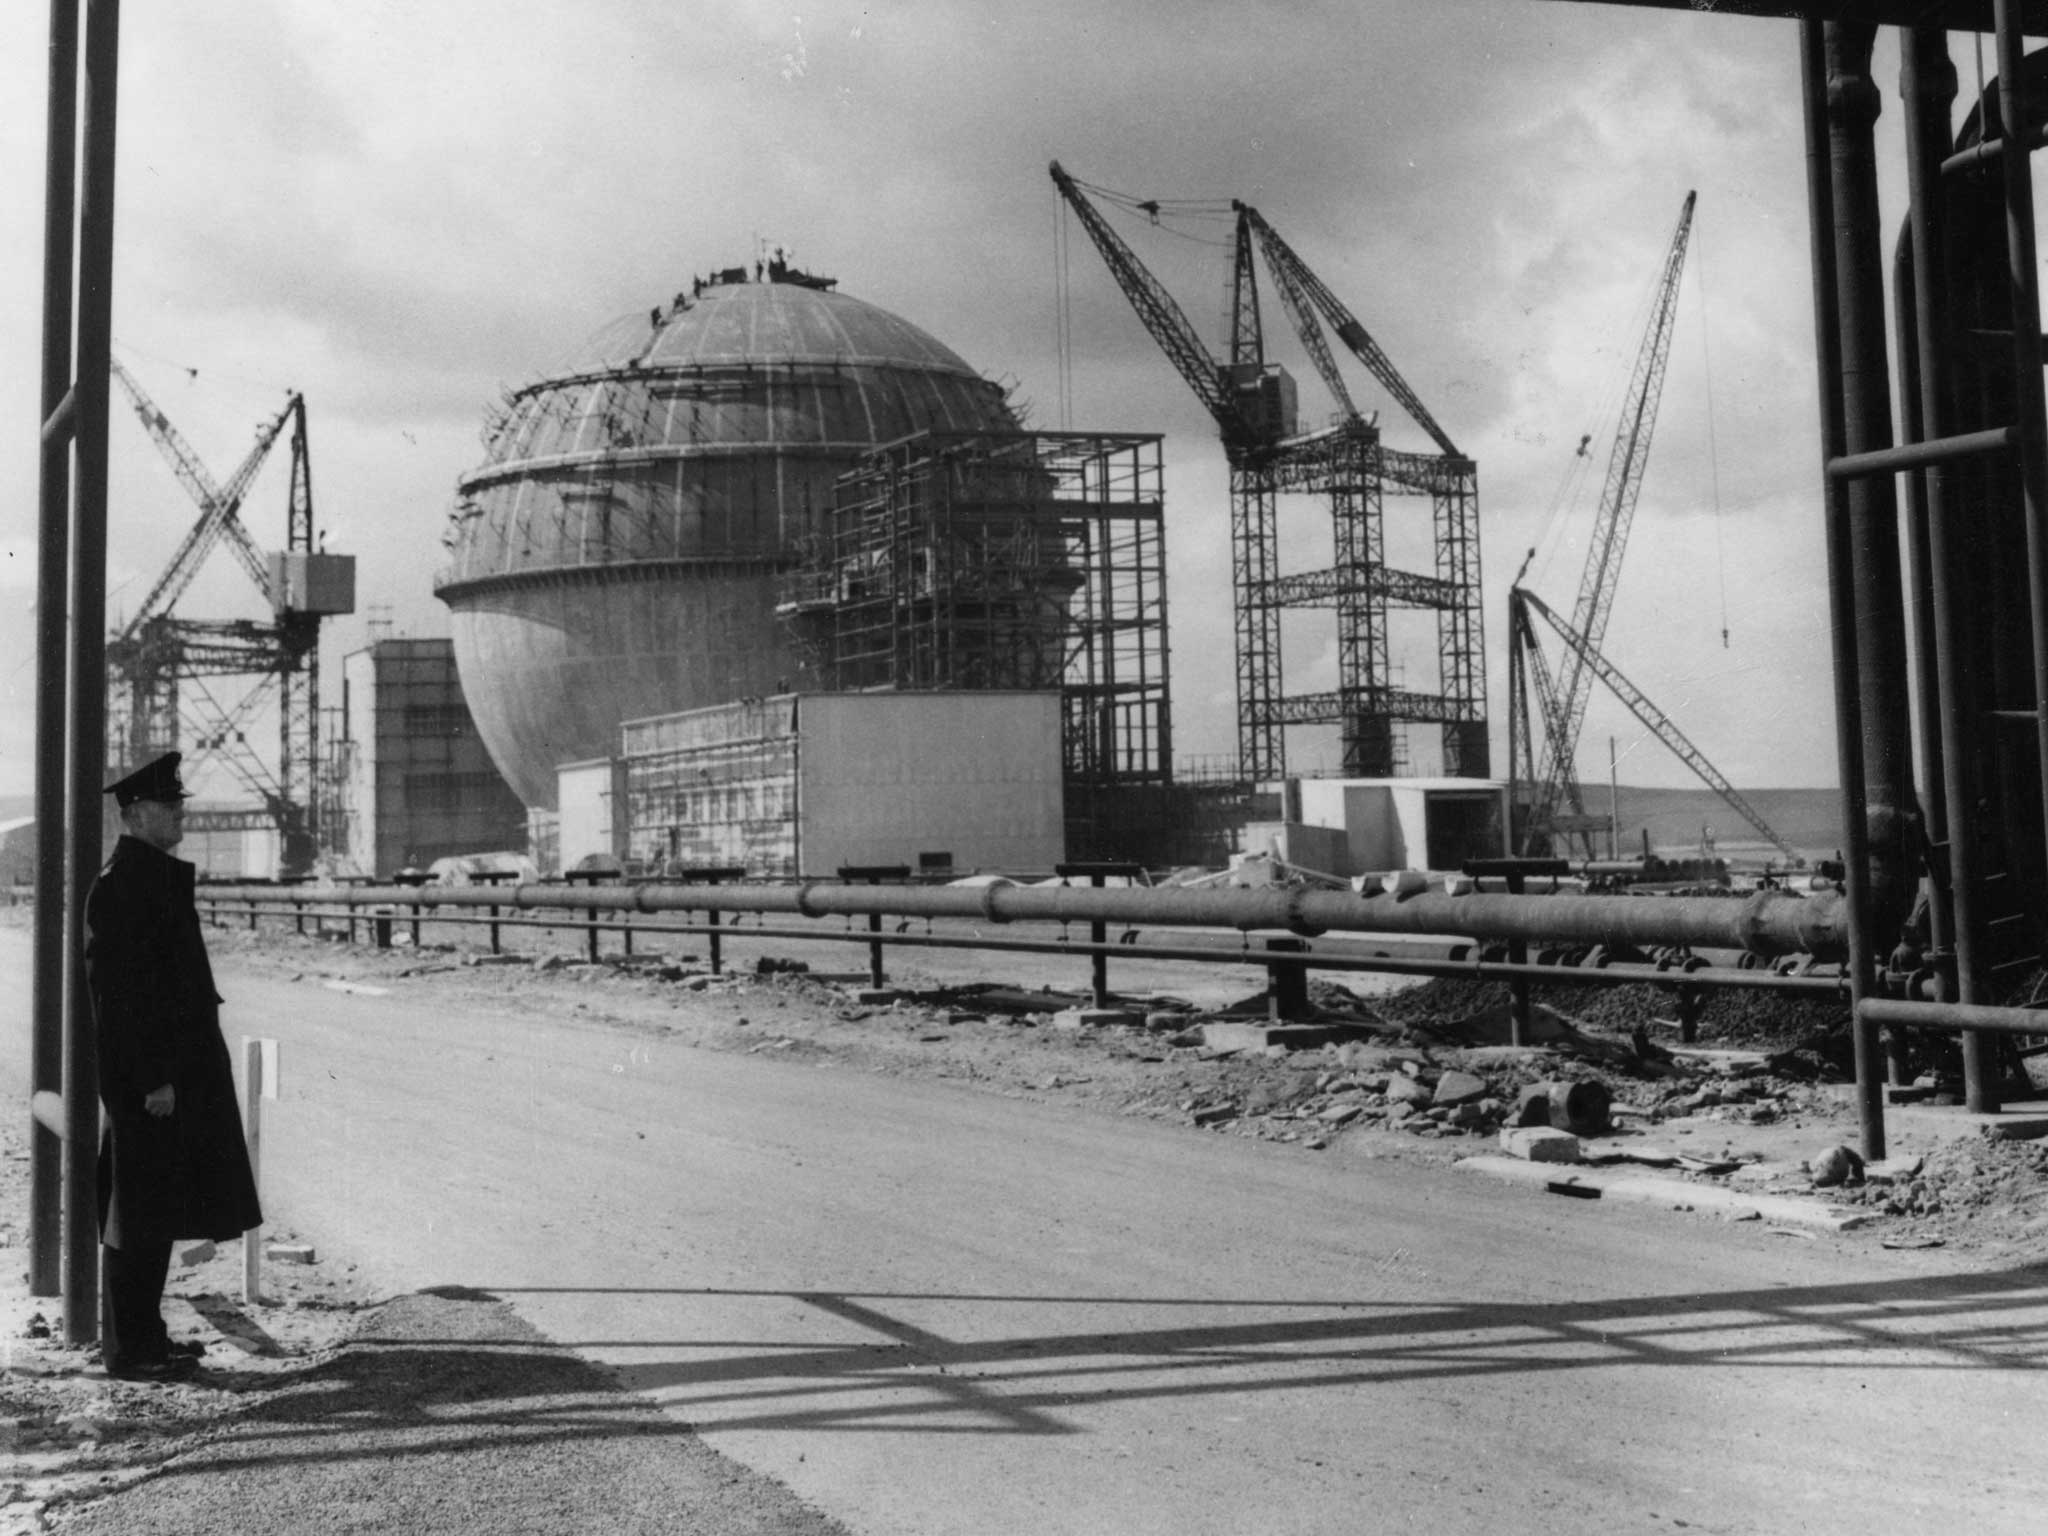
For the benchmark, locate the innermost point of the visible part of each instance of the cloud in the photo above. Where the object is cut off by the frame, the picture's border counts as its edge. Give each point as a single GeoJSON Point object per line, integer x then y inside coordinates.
{"type": "Point", "coordinates": [400, 209]}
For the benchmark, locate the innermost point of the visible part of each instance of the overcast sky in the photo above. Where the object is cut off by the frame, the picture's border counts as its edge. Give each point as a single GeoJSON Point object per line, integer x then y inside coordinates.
{"type": "Point", "coordinates": [401, 209]}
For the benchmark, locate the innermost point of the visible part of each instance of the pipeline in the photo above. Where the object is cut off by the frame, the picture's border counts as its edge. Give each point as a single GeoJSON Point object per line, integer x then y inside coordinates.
{"type": "Point", "coordinates": [1769, 923]}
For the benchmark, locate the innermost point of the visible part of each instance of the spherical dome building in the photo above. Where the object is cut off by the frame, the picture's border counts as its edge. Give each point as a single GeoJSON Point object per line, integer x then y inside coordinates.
{"type": "Point", "coordinates": [617, 554]}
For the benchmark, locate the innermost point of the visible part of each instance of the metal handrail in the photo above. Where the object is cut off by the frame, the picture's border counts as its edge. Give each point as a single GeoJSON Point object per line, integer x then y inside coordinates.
{"type": "Point", "coordinates": [1287, 959]}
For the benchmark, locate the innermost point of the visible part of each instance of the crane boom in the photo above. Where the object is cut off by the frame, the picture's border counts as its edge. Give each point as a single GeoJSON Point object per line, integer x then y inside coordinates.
{"type": "Point", "coordinates": [1164, 318]}
{"type": "Point", "coordinates": [1289, 270]}
{"type": "Point", "coordinates": [1302, 316]}
{"type": "Point", "coordinates": [1658, 723]}
{"type": "Point", "coordinates": [1625, 465]}
{"type": "Point", "coordinates": [218, 504]}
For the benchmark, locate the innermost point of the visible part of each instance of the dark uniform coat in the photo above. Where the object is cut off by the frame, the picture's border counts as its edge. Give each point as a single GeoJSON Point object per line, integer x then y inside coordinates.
{"type": "Point", "coordinates": [186, 1174]}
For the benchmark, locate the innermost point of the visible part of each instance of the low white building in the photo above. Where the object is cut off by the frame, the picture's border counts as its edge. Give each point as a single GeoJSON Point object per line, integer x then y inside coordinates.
{"type": "Point", "coordinates": [1351, 827]}
{"type": "Point", "coordinates": [807, 784]}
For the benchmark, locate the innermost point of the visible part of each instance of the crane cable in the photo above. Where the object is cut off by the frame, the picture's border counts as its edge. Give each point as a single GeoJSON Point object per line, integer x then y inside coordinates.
{"type": "Point", "coordinates": [1594, 446]}
{"type": "Point", "coordinates": [1063, 318]}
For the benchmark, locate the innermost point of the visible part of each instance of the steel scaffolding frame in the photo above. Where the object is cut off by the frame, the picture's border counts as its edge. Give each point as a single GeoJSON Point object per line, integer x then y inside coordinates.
{"type": "Point", "coordinates": [1348, 465]}
{"type": "Point", "coordinates": [1003, 560]}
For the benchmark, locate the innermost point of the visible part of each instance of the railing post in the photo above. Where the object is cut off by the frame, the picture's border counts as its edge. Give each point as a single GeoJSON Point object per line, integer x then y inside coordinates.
{"type": "Point", "coordinates": [1098, 930]}
{"type": "Point", "coordinates": [1521, 995]}
{"type": "Point", "coordinates": [1688, 1014]}
{"type": "Point", "coordinates": [1286, 980]}
{"type": "Point", "coordinates": [874, 874]}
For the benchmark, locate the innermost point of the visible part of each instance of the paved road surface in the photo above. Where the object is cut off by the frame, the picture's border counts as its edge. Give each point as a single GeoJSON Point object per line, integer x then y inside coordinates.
{"type": "Point", "coordinates": [930, 1310]}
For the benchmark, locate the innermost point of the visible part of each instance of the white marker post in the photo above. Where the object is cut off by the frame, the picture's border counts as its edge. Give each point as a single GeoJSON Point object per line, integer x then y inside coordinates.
{"type": "Point", "coordinates": [259, 1077]}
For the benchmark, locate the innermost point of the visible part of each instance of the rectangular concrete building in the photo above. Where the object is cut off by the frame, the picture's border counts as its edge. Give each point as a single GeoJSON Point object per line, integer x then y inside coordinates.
{"type": "Point", "coordinates": [414, 782]}
{"type": "Point", "coordinates": [1353, 827]}
{"type": "Point", "coordinates": [805, 784]}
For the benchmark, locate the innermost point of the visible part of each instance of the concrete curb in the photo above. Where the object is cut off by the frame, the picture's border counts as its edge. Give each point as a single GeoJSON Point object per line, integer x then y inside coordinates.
{"type": "Point", "coordinates": [1584, 1183]}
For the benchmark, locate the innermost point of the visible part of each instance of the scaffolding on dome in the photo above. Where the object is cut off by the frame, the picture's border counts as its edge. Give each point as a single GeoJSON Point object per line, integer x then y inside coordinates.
{"type": "Point", "coordinates": [1003, 560]}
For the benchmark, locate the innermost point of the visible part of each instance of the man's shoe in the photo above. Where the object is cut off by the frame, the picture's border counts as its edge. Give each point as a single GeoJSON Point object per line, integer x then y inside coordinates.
{"type": "Point", "coordinates": [169, 1368]}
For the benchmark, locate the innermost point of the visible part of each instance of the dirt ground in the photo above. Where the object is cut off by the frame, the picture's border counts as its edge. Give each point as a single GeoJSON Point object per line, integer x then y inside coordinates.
{"type": "Point", "coordinates": [1413, 1071]}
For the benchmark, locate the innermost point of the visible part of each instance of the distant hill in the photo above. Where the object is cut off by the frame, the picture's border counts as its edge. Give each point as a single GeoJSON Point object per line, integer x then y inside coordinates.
{"type": "Point", "coordinates": [12, 806]}
{"type": "Point", "coordinates": [1809, 819]}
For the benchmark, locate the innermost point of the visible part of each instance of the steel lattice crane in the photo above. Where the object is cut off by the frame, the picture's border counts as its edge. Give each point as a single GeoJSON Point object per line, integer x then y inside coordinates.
{"type": "Point", "coordinates": [158, 663]}
{"type": "Point", "coordinates": [1555, 778]}
{"type": "Point", "coordinates": [1586, 658]}
{"type": "Point", "coordinates": [1253, 405]}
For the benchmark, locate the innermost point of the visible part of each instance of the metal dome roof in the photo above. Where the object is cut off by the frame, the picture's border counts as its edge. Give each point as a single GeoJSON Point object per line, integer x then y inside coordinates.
{"type": "Point", "coordinates": [615, 554]}
{"type": "Point", "coordinates": [769, 365]}
{"type": "Point", "coordinates": [725, 324]}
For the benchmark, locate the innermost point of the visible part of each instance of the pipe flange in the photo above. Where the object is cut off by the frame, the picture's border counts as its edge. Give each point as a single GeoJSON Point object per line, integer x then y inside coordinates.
{"type": "Point", "coordinates": [1296, 922]}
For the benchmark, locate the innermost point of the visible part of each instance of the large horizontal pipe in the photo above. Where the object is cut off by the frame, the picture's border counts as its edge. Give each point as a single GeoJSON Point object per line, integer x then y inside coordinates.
{"type": "Point", "coordinates": [1216, 952]}
{"type": "Point", "coordinates": [1982, 1017]}
{"type": "Point", "coordinates": [1769, 923]}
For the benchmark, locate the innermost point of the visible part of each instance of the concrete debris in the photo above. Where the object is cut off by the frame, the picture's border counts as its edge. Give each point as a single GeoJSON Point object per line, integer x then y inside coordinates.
{"type": "Point", "coordinates": [1837, 1165]}
{"type": "Point", "coordinates": [1455, 1088]}
{"type": "Point", "coordinates": [1402, 1089]}
{"type": "Point", "coordinates": [1540, 1144]}
{"type": "Point", "coordinates": [290, 1253]}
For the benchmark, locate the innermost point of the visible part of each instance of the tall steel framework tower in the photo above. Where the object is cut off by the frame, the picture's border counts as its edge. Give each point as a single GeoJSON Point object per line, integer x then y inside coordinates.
{"type": "Point", "coordinates": [158, 663]}
{"type": "Point", "coordinates": [1253, 403]}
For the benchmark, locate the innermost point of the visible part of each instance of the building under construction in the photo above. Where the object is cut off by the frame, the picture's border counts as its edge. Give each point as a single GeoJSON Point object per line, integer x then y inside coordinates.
{"type": "Point", "coordinates": [1255, 405]}
{"type": "Point", "coordinates": [766, 487]}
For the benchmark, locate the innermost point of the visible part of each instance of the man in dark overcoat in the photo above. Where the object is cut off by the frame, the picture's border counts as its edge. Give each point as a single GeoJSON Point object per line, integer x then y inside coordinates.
{"type": "Point", "coordinates": [173, 1164]}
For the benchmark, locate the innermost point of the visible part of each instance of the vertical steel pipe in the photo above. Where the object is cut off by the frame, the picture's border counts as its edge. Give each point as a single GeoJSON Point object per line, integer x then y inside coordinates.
{"type": "Point", "coordinates": [1929, 77]}
{"type": "Point", "coordinates": [88, 677]}
{"type": "Point", "coordinates": [1843, 593]}
{"type": "Point", "coordinates": [1890, 812]}
{"type": "Point", "coordinates": [2023, 278]}
{"type": "Point", "coordinates": [53, 565]}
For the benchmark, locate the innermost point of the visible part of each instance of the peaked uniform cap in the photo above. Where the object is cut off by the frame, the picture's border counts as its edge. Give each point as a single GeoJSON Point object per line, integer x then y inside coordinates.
{"type": "Point", "coordinates": [157, 780]}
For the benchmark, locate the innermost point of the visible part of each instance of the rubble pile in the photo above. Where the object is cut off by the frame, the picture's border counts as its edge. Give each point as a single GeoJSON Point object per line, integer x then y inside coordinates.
{"type": "Point", "coordinates": [1732, 1015]}
{"type": "Point", "coordinates": [1970, 1181]}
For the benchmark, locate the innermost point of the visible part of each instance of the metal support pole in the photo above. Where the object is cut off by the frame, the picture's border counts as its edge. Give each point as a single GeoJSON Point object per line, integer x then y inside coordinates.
{"type": "Point", "coordinates": [1521, 1004]}
{"type": "Point", "coordinates": [1958, 914]}
{"type": "Point", "coordinates": [1980, 1086]}
{"type": "Point", "coordinates": [1890, 810]}
{"type": "Point", "coordinates": [874, 874]}
{"type": "Point", "coordinates": [1927, 84]}
{"type": "Point", "coordinates": [1286, 979]}
{"type": "Point", "coordinates": [1098, 928]}
{"type": "Point", "coordinates": [494, 932]}
{"type": "Point", "coordinates": [1842, 590]}
{"type": "Point", "coordinates": [53, 564]}
{"type": "Point", "coordinates": [88, 674]}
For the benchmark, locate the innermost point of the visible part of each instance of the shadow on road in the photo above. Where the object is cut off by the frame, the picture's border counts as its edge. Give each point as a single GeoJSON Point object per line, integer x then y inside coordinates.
{"type": "Point", "coordinates": [449, 1413]}
{"type": "Point", "coordinates": [898, 1358]}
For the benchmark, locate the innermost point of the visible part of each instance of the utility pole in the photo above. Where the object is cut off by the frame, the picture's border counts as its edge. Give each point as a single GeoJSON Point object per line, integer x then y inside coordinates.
{"type": "Point", "coordinates": [71, 758]}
